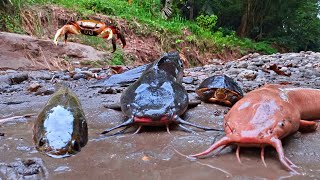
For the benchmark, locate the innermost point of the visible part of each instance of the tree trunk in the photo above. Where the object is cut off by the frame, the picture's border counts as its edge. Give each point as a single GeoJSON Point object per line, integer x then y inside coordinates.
{"type": "Point", "coordinates": [243, 29]}
{"type": "Point", "coordinates": [191, 4]}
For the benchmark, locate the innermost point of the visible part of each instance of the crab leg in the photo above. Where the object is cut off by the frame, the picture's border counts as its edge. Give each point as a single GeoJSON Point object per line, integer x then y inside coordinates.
{"type": "Point", "coordinates": [223, 141]}
{"type": "Point", "coordinates": [66, 29]}
{"type": "Point", "coordinates": [181, 121]}
{"type": "Point", "coordinates": [276, 143]}
{"type": "Point", "coordinates": [128, 122]}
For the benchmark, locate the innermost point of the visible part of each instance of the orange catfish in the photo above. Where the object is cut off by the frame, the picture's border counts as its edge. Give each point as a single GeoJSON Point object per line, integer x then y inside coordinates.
{"type": "Point", "coordinates": [268, 114]}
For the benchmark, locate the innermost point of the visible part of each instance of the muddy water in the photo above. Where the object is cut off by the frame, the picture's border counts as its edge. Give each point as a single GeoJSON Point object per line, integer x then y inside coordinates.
{"type": "Point", "coordinates": [150, 154]}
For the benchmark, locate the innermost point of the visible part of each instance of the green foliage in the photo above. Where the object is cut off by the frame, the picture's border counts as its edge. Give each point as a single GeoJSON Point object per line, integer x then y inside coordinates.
{"type": "Point", "coordinates": [207, 22]}
{"type": "Point", "coordinates": [117, 58]}
{"type": "Point", "coordinates": [9, 16]}
{"type": "Point", "coordinates": [99, 7]}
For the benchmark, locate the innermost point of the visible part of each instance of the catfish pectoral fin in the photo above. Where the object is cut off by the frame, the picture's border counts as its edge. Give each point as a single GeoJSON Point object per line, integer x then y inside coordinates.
{"type": "Point", "coordinates": [181, 121]}
{"type": "Point", "coordinates": [127, 123]}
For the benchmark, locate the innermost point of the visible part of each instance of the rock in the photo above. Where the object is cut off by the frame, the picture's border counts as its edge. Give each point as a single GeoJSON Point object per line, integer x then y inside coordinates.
{"type": "Point", "coordinates": [5, 79]}
{"type": "Point", "coordinates": [242, 64]}
{"type": "Point", "coordinates": [78, 76]}
{"type": "Point", "coordinates": [34, 87]}
{"type": "Point", "coordinates": [188, 80]}
{"type": "Point", "coordinates": [44, 75]}
{"type": "Point", "coordinates": [248, 74]}
{"type": "Point", "coordinates": [44, 91]}
{"type": "Point", "coordinates": [18, 78]}
{"type": "Point", "coordinates": [65, 77]}
{"type": "Point", "coordinates": [95, 70]}
{"type": "Point", "coordinates": [232, 71]}
{"type": "Point", "coordinates": [107, 90]}
{"type": "Point", "coordinates": [31, 168]}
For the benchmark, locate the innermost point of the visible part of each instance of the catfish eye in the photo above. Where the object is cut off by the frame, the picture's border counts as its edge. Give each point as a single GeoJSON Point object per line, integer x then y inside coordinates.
{"type": "Point", "coordinates": [42, 141]}
{"type": "Point", "coordinates": [281, 123]}
{"type": "Point", "coordinates": [75, 145]}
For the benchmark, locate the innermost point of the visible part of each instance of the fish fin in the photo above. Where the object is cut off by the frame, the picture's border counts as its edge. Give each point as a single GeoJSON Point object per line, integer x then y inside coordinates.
{"type": "Point", "coordinates": [307, 126]}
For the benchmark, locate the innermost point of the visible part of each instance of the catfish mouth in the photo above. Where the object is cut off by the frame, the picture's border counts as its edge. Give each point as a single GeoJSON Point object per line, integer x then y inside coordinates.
{"type": "Point", "coordinates": [149, 121]}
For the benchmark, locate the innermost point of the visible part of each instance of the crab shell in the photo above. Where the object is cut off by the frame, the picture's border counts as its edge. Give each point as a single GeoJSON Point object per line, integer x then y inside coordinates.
{"type": "Point", "coordinates": [220, 89]}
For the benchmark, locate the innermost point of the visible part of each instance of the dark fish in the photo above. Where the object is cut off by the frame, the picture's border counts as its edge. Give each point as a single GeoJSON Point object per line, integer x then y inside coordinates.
{"type": "Point", "coordinates": [158, 97]}
{"type": "Point", "coordinates": [61, 128]}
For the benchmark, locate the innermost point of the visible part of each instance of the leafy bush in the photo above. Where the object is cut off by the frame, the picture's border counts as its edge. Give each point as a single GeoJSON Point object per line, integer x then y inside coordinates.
{"type": "Point", "coordinates": [207, 22]}
{"type": "Point", "coordinates": [117, 58]}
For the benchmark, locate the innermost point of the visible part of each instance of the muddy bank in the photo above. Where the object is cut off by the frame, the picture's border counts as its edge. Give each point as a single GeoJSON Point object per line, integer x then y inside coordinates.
{"type": "Point", "coordinates": [30, 53]}
{"type": "Point", "coordinates": [152, 154]}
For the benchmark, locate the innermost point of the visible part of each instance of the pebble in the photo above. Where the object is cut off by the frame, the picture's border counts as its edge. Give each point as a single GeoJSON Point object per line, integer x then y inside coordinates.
{"type": "Point", "coordinates": [188, 80]}
{"type": "Point", "coordinates": [18, 78]}
{"type": "Point", "coordinates": [34, 87]}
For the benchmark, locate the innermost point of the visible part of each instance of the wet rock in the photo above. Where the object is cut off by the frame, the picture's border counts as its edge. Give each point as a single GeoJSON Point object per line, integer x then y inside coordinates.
{"type": "Point", "coordinates": [107, 90]}
{"type": "Point", "coordinates": [18, 78]}
{"type": "Point", "coordinates": [43, 75]}
{"type": "Point", "coordinates": [45, 91]}
{"type": "Point", "coordinates": [79, 76]}
{"type": "Point", "coordinates": [248, 74]}
{"type": "Point", "coordinates": [31, 168]}
{"type": "Point", "coordinates": [65, 77]}
{"type": "Point", "coordinates": [188, 80]}
{"type": "Point", "coordinates": [34, 87]}
{"type": "Point", "coordinates": [5, 79]}
{"type": "Point", "coordinates": [95, 70]}
{"type": "Point", "coordinates": [115, 106]}
{"type": "Point", "coordinates": [233, 71]}
{"type": "Point", "coordinates": [243, 64]}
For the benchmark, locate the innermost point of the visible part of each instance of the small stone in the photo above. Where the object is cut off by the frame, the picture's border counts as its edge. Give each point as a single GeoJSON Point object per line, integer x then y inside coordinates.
{"type": "Point", "coordinates": [242, 65]}
{"type": "Point", "coordinates": [79, 76]}
{"type": "Point", "coordinates": [233, 71]}
{"type": "Point", "coordinates": [107, 90]}
{"type": "Point", "coordinates": [18, 78]}
{"type": "Point", "coordinates": [95, 70]}
{"type": "Point", "coordinates": [34, 87]}
{"type": "Point", "coordinates": [44, 91]}
{"type": "Point", "coordinates": [65, 77]}
{"type": "Point", "coordinates": [248, 74]}
{"type": "Point", "coordinates": [188, 80]}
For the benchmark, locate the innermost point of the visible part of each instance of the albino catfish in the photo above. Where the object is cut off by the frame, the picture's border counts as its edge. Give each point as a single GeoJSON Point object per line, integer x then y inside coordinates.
{"type": "Point", "coordinates": [266, 115]}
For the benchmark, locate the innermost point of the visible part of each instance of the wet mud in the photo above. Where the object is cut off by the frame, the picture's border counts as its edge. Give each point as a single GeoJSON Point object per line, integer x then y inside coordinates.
{"type": "Point", "coordinates": [150, 154]}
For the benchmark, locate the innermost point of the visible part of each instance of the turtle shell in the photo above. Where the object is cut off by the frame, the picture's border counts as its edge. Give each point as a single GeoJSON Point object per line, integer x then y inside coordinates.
{"type": "Point", "coordinates": [207, 88]}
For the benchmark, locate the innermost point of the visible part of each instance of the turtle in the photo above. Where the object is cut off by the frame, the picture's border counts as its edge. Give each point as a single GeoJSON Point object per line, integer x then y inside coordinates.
{"type": "Point", "coordinates": [220, 89]}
